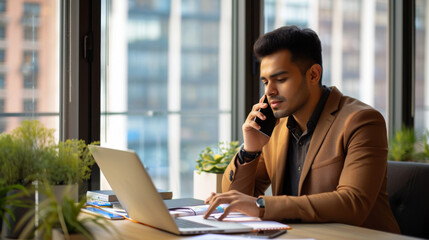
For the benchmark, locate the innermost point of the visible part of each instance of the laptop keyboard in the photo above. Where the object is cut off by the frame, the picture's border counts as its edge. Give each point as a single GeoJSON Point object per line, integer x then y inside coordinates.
{"type": "Point", "coordinates": [182, 223]}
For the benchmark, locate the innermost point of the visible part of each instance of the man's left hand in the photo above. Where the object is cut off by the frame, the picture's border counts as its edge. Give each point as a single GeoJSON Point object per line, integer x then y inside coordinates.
{"type": "Point", "coordinates": [237, 202]}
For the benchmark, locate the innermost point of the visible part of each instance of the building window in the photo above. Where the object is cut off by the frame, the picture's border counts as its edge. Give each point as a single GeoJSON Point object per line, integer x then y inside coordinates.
{"type": "Point", "coordinates": [30, 81]}
{"type": "Point", "coordinates": [30, 21]}
{"type": "Point", "coordinates": [29, 69]}
{"type": "Point", "coordinates": [30, 62]}
{"type": "Point", "coordinates": [2, 6]}
{"type": "Point", "coordinates": [31, 33]}
{"type": "Point", "coordinates": [31, 10]}
{"type": "Point", "coordinates": [30, 106]}
{"type": "Point", "coordinates": [1, 105]}
{"type": "Point", "coordinates": [30, 16]}
{"type": "Point", "coordinates": [2, 32]}
{"type": "Point", "coordinates": [2, 81]}
{"type": "Point", "coordinates": [2, 55]}
{"type": "Point", "coordinates": [2, 120]}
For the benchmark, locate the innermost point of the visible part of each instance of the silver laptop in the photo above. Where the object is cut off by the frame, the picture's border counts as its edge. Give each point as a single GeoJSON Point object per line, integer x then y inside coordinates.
{"type": "Point", "coordinates": [137, 194]}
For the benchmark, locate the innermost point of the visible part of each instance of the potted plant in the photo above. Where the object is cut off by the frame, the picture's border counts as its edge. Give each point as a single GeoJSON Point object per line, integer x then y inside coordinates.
{"type": "Point", "coordinates": [18, 167]}
{"type": "Point", "coordinates": [402, 145]}
{"type": "Point", "coordinates": [64, 163]}
{"type": "Point", "coordinates": [59, 218]}
{"type": "Point", "coordinates": [30, 156]}
{"type": "Point", "coordinates": [67, 163]}
{"type": "Point", "coordinates": [407, 146]}
{"type": "Point", "coordinates": [11, 198]}
{"type": "Point", "coordinates": [211, 165]}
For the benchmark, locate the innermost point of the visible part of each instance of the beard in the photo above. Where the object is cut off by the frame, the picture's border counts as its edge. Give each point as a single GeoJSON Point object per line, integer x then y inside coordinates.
{"type": "Point", "coordinates": [300, 99]}
{"type": "Point", "coordinates": [282, 114]}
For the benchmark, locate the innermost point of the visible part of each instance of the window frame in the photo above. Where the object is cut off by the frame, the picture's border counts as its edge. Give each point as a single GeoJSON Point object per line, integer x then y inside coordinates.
{"type": "Point", "coordinates": [80, 74]}
{"type": "Point", "coordinates": [401, 80]}
{"type": "Point", "coordinates": [247, 26]}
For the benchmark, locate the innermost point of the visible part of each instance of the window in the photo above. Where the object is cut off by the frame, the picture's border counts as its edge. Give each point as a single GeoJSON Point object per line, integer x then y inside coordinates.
{"type": "Point", "coordinates": [2, 32]}
{"type": "Point", "coordinates": [31, 10]}
{"type": "Point", "coordinates": [2, 55]}
{"type": "Point", "coordinates": [30, 62]}
{"type": "Point", "coordinates": [30, 21]}
{"type": "Point", "coordinates": [30, 15]}
{"type": "Point", "coordinates": [31, 33]}
{"type": "Point", "coordinates": [2, 81]}
{"type": "Point", "coordinates": [1, 105]}
{"type": "Point", "coordinates": [2, 6]}
{"type": "Point", "coordinates": [166, 87]}
{"type": "Point", "coordinates": [2, 121]}
{"type": "Point", "coordinates": [31, 69]}
{"type": "Point", "coordinates": [354, 42]}
{"type": "Point", "coordinates": [30, 81]}
{"type": "Point", "coordinates": [29, 106]}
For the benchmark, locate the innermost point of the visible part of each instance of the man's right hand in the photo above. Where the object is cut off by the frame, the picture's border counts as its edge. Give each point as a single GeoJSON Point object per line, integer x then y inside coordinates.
{"type": "Point", "coordinates": [253, 139]}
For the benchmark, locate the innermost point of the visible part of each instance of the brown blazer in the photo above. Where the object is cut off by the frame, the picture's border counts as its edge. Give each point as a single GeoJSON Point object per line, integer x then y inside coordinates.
{"type": "Point", "coordinates": [344, 174]}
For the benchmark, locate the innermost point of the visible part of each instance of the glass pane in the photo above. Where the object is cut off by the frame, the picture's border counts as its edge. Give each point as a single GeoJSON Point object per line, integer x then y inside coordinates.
{"type": "Point", "coordinates": [421, 119]}
{"type": "Point", "coordinates": [354, 42]}
{"type": "Point", "coordinates": [166, 85]}
{"type": "Point", "coordinates": [29, 62]}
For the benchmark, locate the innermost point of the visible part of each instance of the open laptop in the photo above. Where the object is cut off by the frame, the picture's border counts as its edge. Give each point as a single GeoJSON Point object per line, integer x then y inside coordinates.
{"type": "Point", "coordinates": [137, 194]}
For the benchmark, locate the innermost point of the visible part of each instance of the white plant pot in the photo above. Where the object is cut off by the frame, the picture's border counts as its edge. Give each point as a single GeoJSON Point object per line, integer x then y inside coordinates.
{"type": "Point", "coordinates": [57, 234]}
{"type": "Point", "coordinates": [59, 191]}
{"type": "Point", "coordinates": [206, 183]}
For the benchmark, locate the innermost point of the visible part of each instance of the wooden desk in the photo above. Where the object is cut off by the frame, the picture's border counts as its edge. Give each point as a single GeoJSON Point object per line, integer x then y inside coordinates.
{"type": "Point", "coordinates": [331, 231]}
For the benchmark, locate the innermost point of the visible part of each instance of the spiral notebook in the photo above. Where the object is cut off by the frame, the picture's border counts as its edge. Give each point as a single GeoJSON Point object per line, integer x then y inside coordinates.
{"type": "Point", "coordinates": [266, 225]}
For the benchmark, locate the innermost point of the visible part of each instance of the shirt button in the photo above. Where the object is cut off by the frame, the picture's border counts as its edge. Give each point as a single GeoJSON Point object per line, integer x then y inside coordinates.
{"type": "Point", "coordinates": [300, 143]}
{"type": "Point", "coordinates": [299, 168]}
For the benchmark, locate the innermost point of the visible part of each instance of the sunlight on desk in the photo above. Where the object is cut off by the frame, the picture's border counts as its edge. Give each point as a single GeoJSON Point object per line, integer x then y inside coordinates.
{"type": "Point", "coordinates": [328, 231]}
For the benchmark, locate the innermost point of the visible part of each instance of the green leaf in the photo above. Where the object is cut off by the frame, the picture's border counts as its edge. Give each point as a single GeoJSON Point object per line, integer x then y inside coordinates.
{"type": "Point", "coordinates": [221, 165]}
{"type": "Point", "coordinates": [207, 167]}
{"type": "Point", "coordinates": [216, 160]}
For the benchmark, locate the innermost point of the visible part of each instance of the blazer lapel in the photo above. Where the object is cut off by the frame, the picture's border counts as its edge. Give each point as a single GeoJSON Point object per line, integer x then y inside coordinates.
{"type": "Point", "coordinates": [324, 123]}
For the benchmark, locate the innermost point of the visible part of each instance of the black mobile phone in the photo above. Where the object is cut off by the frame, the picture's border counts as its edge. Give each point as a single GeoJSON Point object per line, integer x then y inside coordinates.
{"type": "Point", "coordinates": [267, 234]}
{"type": "Point", "coordinates": [267, 125]}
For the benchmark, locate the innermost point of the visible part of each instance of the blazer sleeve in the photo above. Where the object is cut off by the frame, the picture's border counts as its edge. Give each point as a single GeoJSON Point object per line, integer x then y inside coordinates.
{"type": "Point", "coordinates": [249, 178]}
{"type": "Point", "coordinates": [364, 143]}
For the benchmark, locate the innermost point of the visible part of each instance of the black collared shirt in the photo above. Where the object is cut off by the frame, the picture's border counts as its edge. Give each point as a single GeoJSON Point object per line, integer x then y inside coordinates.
{"type": "Point", "coordinates": [298, 146]}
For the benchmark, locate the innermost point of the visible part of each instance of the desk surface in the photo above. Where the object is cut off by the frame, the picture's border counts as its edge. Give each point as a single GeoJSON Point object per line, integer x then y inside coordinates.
{"type": "Point", "coordinates": [331, 231]}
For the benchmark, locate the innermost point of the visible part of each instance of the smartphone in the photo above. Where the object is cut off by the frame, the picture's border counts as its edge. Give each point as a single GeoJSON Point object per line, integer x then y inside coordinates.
{"type": "Point", "coordinates": [267, 125]}
{"type": "Point", "coordinates": [267, 234]}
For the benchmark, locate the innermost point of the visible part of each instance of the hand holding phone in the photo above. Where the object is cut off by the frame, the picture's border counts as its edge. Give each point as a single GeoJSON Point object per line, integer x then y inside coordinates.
{"type": "Point", "coordinates": [267, 125]}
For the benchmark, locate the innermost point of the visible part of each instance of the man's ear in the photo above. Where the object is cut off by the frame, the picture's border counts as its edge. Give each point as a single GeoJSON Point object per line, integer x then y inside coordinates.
{"type": "Point", "coordinates": [314, 74]}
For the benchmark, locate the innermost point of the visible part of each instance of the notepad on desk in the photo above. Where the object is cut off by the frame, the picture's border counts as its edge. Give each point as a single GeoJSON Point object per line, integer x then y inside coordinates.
{"type": "Point", "coordinates": [256, 223]}
{"type": "Point", "coordinates": [194, 210]}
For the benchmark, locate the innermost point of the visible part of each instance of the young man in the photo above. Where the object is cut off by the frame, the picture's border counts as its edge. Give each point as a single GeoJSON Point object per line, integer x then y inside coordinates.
{"type": "Point", "coordinates": [326, 159]}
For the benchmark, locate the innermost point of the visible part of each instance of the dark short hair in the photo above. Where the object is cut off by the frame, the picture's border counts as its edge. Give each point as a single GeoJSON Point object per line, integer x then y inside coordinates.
{"type": "Point", "coordinates": [303, 44]}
